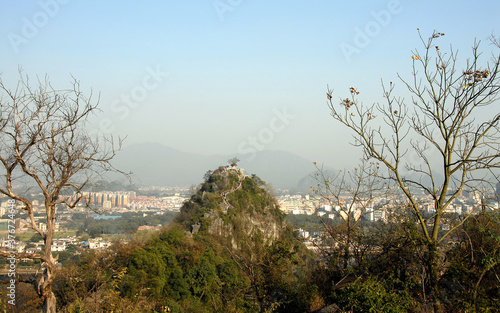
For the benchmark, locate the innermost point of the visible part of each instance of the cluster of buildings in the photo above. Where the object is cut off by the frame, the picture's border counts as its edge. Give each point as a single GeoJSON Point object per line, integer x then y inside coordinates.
{"type": "Point", "coordinates": [130, 200]}
{"type": "Point", "coordinates": [58, 245]}
{"type": "Point", "coordinates": [379, 208]}
{"type": "Point", "coordinates": [297, 204]}
{"type": "Point", "coordinates": [172, 203]}
{"type": "Point", "coordinates": [125, 201]}
{"type": "Point", "coordinates": [104, 199]}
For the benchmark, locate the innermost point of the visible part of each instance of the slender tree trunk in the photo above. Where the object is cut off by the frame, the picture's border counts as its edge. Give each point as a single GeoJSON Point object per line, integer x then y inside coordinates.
{"type": "Point", "coordinates": [45, 284]}
{"type": "Point", "coordinates": [45, 288]}
{"type": "Point", "coordinates": [433, 276]}
{"type": "Point", "coordinates": [347, 244]}
{"type": "Point", "coordinates": [346, 255]}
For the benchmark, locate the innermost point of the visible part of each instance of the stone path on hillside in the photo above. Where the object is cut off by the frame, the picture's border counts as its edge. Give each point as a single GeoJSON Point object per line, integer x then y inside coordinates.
{"type": "Point", "coordinates": [225, 194]}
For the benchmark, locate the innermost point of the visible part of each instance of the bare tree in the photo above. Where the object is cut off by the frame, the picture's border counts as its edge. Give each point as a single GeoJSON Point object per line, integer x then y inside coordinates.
{"type": "Point", "coordinates": [351, 195]}
{"type": "Point", "coordinates": [44, 145]}
{"type": "Point", "coordinates": [444, 127]}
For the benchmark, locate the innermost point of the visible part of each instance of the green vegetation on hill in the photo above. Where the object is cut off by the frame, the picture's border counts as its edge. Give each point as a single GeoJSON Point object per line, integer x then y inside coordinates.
{"type": "Point", "coordinates": [229, 250]}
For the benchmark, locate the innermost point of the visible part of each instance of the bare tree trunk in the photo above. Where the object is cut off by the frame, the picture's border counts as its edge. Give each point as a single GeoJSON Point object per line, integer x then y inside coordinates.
{"type": "Point", "coordinates": [348, 244]}
{"type": "Point", "coordinates": [45, 284]}
{"type": "Point", "coordinates": [44, 287]}
{"type": "Point", "coordinates": [49, 304]}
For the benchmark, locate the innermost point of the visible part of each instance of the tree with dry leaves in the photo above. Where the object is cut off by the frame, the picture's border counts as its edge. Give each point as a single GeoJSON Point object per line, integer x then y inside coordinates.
{"type": "Point", "coordinates": [441, 141]}
{"type": "Point", "coordinates": [44, 146]}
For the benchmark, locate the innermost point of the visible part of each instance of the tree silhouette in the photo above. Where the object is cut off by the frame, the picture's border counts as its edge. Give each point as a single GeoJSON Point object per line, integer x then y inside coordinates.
{"type": "Point", "coordinates": [234, 161]}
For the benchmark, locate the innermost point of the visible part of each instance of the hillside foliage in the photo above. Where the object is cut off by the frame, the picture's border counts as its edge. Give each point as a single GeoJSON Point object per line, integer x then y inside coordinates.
{"type": "Point", "coordinates": [241, 257]}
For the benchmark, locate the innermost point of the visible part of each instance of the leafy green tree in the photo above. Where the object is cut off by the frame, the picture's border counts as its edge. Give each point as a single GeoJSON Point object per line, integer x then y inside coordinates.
{"type": "Point", "coordinates": [371, 295]}
{"type": "Point", "coordinates": [91, 284]}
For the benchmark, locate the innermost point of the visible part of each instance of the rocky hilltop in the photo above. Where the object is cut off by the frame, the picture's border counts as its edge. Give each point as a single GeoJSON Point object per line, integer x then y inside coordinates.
{"type": "Point", "coordinates": [236, 209]}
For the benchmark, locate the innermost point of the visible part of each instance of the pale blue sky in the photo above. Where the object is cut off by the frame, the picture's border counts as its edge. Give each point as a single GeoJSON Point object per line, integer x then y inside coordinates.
{"type": "Point", "coordinates": [230, 71]}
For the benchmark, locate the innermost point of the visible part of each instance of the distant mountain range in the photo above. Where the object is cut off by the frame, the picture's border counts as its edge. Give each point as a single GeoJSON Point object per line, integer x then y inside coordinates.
{"type": "Point", "coordinates": [156, 164]}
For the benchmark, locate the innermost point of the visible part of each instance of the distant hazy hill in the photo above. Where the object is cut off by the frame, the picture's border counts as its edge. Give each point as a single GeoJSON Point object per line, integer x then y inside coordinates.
{"type": "Point", "coordinates": [309, 180]}
{"type": "Point", "coordinates": [156, 164]}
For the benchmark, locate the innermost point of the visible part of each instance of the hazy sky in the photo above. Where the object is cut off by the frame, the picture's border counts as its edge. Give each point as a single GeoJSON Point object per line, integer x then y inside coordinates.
{"type": "Point", "coordinates": [228, 76]}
